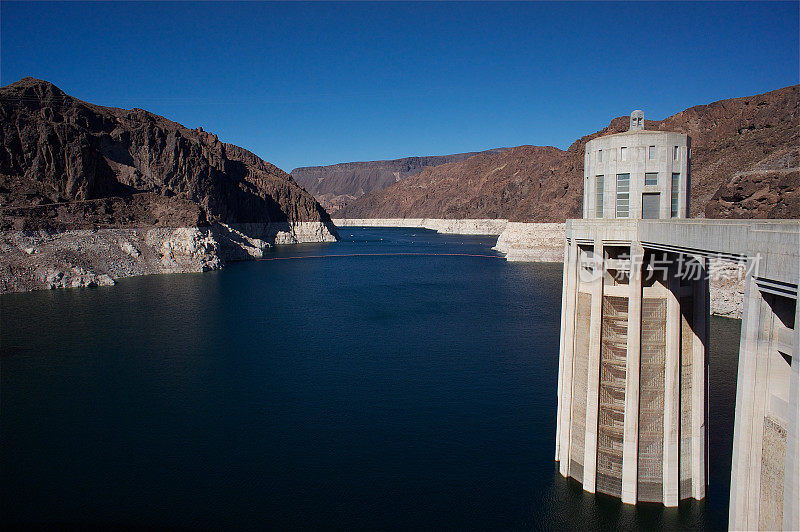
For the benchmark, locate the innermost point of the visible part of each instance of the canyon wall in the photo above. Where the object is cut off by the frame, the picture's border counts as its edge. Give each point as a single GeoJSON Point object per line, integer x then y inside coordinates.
{"type": "Point", "coordinates": [58, 150]}
{"type": "Point", "coordinates": [532, 242]}
{"type": "Point", "coordinates": [35, 260]}
{"type": "Point", "coordinates": [334, 186]}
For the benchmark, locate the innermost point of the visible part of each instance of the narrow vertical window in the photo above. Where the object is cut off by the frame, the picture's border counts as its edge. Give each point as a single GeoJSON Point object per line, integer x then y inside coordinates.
{"type": "Point", "coordinates": [598, 202]}
{"type": "Point", "coordinates": [676, 152]}
{"type": "Point", "coordinates": [599, 156]}
{"type": "Point", "coordinates": [623, 189]}
{"type": "Point", "coordinates": [651, 152]}
{"type": "Point", "coordinates": [586, 197]}
{"type": "Point", "coordinates": [651, 178]}
{"type": "Point", "coordinates": [623, 154]}
{"type": "Point", "coordinates": [673, 209]}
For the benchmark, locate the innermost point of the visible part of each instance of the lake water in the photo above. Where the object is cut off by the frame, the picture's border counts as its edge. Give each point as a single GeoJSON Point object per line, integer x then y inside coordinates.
{"type": "Point", "coordinates": [346, 385]}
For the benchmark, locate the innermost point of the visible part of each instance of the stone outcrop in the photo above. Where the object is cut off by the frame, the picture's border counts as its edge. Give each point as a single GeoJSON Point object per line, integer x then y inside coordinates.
{"type": "Point", "coordinates": [141, 209]}
{"type": "Point", "coordinates": [745, 164]}
{"type": "Point", "coordinates": [521, 184]}
{"type": "Point", "coordinates": [336, 185]}
{"type": "Point", "coordinates": [250, 241]}
{"type": "Point", "coordinates": [33, 260]}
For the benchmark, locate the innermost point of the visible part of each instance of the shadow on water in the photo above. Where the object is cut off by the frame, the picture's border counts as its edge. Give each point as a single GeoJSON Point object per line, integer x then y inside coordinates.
{"type": "Point", "coordinates": [368, 391]}
{"type": "Point", "coordinates": [570, 507]}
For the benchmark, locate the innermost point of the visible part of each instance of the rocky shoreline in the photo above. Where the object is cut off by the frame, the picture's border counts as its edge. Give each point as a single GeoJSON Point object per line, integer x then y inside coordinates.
{"type": "Point", "coordinates": [45, 259]}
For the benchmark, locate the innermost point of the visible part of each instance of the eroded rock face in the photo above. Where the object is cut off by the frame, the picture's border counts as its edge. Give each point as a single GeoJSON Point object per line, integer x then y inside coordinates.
{"type": "Point", "coordinates": [250, 241]}
{"type": "Point", "coordinates": [745, 164]}
{"type": "Point", "coordinates": [73, 277]}
{"type": "Point", "coordinates": [532, 242]}
{"type": "Point", "coordinates": [96, 257]}
{"type": "Point", "coordinates": [57, 149]}
{"type": "Point", "coordinates": [757, 194]}
{"type": "Point", "coordinates": [184, 248]}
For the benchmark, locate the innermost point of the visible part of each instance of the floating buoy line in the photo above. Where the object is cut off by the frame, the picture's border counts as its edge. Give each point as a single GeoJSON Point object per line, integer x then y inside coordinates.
{"type": "Point", "coordinates": [385, 255]}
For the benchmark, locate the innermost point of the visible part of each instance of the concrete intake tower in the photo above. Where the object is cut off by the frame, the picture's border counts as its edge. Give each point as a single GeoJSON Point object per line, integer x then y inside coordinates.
{"type": "Point", "coordinates": [634, 329]}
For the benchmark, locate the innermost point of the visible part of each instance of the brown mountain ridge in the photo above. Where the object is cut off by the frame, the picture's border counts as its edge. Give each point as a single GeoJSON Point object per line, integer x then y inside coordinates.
{"type": "Point", "coordinates": [336, 185]}
{"type": "Point", "coordinates": [745, 164]}
{"type": "Point", "coordinates": [117, 167]}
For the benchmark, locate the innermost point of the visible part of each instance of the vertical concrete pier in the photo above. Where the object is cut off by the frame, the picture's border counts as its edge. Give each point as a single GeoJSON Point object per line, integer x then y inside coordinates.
{"type": "Point", "coordinates": [764, 475]}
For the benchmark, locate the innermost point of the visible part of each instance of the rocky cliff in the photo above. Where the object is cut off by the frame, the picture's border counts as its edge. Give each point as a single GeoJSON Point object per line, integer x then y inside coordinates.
{"type": "Point", "coordinates": [336, 185]}
{"type": "Point", "coordinates": [77, 179]}
{"type": "Point", "coordinates": [745, 164]}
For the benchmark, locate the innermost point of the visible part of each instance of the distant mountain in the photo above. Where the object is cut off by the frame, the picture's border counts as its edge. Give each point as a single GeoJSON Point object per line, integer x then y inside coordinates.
{"type": "Point", "coordinates": [336, 185]}
{"type": "Point", "coordinates": [56, 149]}
{"type": "Point", "coordinates": [745, 164]}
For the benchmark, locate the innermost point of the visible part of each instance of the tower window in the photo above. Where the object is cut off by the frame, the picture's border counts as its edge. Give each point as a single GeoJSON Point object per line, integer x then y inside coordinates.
{"type": "Point", "coordinates": [651, 205]}
{"type": "Point", "coordinates": [676, 152]}
{"type": "Point", "coordinates": [599, 156]}
{"type": "Point", "coordinates": [623, 197]}
{"type": "Point", "coordinates": [651, 152]}
{"type": "Point", "coordinates": [651, 178]}
{"type": "Point", "coordinates": [623, 154]}
{"type": "Point", "coordinates": [598, 202]}
{"type": "Point", "coordinates": [673, 209]}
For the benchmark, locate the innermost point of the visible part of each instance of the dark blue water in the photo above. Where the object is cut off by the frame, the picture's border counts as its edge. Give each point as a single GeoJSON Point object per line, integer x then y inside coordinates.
{"type": "Point", "coordinates": [362, 391]}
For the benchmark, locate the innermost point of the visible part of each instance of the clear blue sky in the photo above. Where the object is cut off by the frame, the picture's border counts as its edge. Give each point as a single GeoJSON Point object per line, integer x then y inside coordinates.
{"type": "Point", "coordinates": [311, 84]}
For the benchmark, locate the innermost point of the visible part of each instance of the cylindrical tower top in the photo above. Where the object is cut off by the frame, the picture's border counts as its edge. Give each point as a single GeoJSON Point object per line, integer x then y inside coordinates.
{"type": "Point", "coordinates": [637, 174]}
